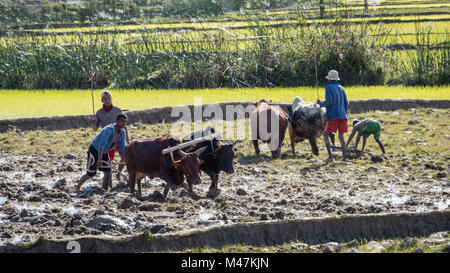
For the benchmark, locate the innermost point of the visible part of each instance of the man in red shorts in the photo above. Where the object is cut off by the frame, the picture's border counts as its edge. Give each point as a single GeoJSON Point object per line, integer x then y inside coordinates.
{"type": "Point", "coordinates": [336, 103]}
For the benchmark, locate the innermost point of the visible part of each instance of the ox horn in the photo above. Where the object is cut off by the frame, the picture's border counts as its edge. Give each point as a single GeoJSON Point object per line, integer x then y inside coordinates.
{"type": "Point", "coordinates": [183, 154]}
{"type": "Point", "coordinates": [200, 151]}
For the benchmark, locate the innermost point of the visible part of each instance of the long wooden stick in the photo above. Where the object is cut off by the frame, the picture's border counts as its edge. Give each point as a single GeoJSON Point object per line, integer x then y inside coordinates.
{"type": "Point", "coordinates": [109, 164]}
{"type": "Point", "coordinates": [350, 149]}
{"type": "Point", "coordinates": [317, 77]}
{"type": "Point", "coordinates": [92, 89]}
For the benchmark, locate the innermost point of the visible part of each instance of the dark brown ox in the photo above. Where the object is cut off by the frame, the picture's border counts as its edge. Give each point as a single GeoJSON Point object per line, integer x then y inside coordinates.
{"type": "Point", "coordinates": [261, 126]}
{"type": "Point", "coordinates": [216, 158]}
{"type": "Point", "coordinates": [144, 157]}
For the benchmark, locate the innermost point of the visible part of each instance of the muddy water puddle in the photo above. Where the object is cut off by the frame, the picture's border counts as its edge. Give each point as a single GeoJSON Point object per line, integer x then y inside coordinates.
{"type": "Point", "coordinates": [442, 205]}
{"type": "Point", "coordinates": [206, 214]}
{"type": "Point", "coordinates": [17, 239]}
{"type": "Point", "coordinates": [70, 209]}
{"type": "Point", "coordinates": [394, 199]}
{"type": "Point", "coordinates": [27, 178]}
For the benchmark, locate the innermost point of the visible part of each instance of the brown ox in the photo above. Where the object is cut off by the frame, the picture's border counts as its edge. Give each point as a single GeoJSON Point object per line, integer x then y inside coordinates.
{"type": "Point", "coordinates": [261, 126]}
{"type": "Point", "coordinates": [144, 157]}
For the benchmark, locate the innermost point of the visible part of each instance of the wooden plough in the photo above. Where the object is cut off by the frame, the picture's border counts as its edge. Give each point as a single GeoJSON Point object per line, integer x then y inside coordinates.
{"type": "Point", "coordinates": [351, 150]}
{"type": "Point", "coordinates": [168, 150]}
{"type": "Point", "coordinates": [191, 142]}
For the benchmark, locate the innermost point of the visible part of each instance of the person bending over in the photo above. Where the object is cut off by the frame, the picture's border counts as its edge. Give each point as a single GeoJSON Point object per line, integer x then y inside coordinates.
{"type": "Point", "coordinates": [365, 128]}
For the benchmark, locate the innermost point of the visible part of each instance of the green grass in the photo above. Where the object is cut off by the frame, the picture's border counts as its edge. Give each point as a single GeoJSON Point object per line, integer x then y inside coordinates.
{"type": "Point", "coordinates": [395, 246]}
{"type": "Point", "coordinates": [38, 103]}
{"type": "Point", "coordinates": [37, 242]}
{"type": "Point", "coordinates": [398, 136]}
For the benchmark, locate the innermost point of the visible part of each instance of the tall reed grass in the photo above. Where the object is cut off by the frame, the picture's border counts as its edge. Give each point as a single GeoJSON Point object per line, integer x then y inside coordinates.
{"type": "Point", "coordinates": [295, 52]}
{"type": "Point", "coordinates": [283, 56]}
{"type": "Point", "coordinates": [430, 62]}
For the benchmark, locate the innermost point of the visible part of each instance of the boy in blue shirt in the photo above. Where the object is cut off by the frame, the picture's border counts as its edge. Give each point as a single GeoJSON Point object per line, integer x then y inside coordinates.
{"type": "Point", "coordinates": [336, 103]}
{"type": "Point", "coordinates": [108, 139]}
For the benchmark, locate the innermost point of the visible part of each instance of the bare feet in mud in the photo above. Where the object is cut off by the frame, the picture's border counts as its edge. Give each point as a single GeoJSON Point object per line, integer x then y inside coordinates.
{"type": "Point", "coordinates": [118, 177]}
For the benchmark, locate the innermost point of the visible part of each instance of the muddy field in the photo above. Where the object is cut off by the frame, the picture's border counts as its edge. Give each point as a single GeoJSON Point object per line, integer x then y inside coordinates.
{"type": "Point", "coordinates": [38, 170]}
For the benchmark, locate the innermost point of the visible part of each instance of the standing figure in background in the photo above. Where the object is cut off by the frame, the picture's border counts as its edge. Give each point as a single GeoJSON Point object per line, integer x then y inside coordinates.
{"type": "Point", "coordinates": [105, 116]}
{"type": "Point", "coordinates": [336, 103]}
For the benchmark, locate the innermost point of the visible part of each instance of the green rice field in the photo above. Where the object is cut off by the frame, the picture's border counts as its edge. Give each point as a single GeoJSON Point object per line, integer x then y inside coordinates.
{"type": "Point", "coordinates": [269, 21]}
{"type": "Point", "coordinates": [195, 33]}
{"type": "Point", "coordinates": [394, 19]}
{"type": "Point", "coordinates": [38, 103]}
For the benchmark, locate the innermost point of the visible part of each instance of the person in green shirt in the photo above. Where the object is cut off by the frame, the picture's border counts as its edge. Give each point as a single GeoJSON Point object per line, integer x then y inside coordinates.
{"type": "Point", "coordinates": [365, 128]}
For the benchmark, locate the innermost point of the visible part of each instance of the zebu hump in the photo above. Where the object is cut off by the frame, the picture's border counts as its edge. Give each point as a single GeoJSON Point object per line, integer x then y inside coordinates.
{"type": "Point", "coordinates": [307, 112]}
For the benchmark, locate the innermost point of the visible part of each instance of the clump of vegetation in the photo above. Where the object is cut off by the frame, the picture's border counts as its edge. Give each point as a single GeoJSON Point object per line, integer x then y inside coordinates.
{"type": "Point", "coordinates": [274, 57]}
{"type": "Point", "coordinates": [430, 62]}
{"type": "Point", "coordinates": [17, 15]}
{"type": "Point", "coordinates": [37, 242]}
{"type": "Point", "coordinates": [258, 49]}
{"type": "Point", "coordinates": [192, 8]}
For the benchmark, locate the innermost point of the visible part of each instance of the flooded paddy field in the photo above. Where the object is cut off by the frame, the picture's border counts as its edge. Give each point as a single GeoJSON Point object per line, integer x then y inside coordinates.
{"type": "Point", "coordinates": [39, 169]}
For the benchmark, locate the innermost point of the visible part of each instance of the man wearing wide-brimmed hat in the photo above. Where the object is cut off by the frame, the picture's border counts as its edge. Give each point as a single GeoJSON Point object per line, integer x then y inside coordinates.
{"type": "Point", "coordinates": [336, 103]}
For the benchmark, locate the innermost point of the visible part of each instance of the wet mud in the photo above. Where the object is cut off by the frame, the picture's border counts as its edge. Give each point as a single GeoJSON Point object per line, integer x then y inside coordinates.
{"type": "Point", "coordinates": [37, 194]}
